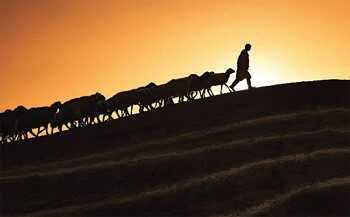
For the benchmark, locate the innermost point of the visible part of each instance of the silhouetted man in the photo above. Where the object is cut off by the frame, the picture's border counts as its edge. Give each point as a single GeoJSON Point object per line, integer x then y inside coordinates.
{"type": "Point", "coordinates": [242, 67]}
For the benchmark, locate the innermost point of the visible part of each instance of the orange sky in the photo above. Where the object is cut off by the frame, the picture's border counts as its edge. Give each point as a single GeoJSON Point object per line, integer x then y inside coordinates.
{"type": "Point", "coordinates": [56, 50]}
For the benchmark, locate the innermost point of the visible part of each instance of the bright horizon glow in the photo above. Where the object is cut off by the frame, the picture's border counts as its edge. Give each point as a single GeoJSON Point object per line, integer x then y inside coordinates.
{"type": "Point", "coordinates": [58, 50]}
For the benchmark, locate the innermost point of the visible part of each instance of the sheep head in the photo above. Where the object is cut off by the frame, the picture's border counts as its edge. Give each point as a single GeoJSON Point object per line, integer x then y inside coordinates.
{"type": "Point", "coordinates": [152, 84]}
{"type": "Point", "coordinates": [20, 109]}
{"type": "Point", "coordinates": [230, 71]}
{"type": "Point", "coordinates": [99, 97]}
{"type": "Point", "coordinates": [57, 105]}
{"type": "Point", "coordinates": [193, 76]}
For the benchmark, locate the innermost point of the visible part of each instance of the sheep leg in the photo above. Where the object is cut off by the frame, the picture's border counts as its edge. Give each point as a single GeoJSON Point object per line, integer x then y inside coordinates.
{"type": "Point", "coordinates": [110, 116]}
{"type": "Point", "coordinates": [69, 125]}
{"type": "Point", "coordinates": [31, 132]}
{"type": "Point", "coordinates": [99, 118]}
{"type": "Point", "coordinates": [202, 93]}
{"type": "Point", "coordinates": [118, 115]}
{"type": "Point", "coordinates": [26, 135]}
{"type": "Point", "coordinates": [221, 89]}
{"type": "Point", "coordinates": [148, 107]}
{"type": "Point", "coordinates": [3, 139]}
{"type": "Point", "coordinates": [189, 97]}
{"type": "Point", "coordinates": [104, 117]}
{"type": "Point", "coordinates": [13, 138]}
{"type": "Point", "coordinates": [39, 131]}
{"type": "Point", "coordinates": [210, 92]}
{"type": "Point", "coordinates": [92, 120]}
{"type": "Point", "coordinates": [72, 125]}
{"type": "Point", "coordinates": [141, 108]}
{"type": "Point", "coordinates": [18, 136]}
{"type": "Point", "coordinates": [169, 101]}
{"type": "Point", "coordinates": [60, 127]}
{"type": "Point", "coordinates": [82, 122]}
{"type": "Point", "coordinates": [229, 88]}
{"type": "Point", "coordinates": [86, 121]}
{"type": "Point", "coordinates": [96, 119]}
{"type": "Point", "coordinates": [195, 94]}
{"type": "Point", "coordinates": [185, 97]}
{"type": "Point", "coordinates": [47, 130]}
{"type": "Point", "coordinates": [154, 106]}
{"type": "Point", "coordinates": [206, 91]}
{"type": "Point", "coordinates": [127, 111]}
{"type": "Point", "coordinates": [131, 107]}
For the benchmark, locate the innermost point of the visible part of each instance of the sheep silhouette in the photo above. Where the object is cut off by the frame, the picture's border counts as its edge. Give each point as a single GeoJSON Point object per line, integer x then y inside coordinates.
{"type": "Point", "coordinates": [84, 111]}
{"type": "Point", "coordinates": [37, 118]}
{"type": "Point", "coordinates": [78, 112]}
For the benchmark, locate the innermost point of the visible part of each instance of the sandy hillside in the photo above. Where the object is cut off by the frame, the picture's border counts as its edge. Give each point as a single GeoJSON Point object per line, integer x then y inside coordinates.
{"type": "Point", "coordinates": [282, 150]}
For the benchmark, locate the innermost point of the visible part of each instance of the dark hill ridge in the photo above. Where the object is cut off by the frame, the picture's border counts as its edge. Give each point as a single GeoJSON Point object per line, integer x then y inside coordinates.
{"type": "Point", "coordinates": [282, 150]}
{"type": "Point", "coordinates": [231, 107]}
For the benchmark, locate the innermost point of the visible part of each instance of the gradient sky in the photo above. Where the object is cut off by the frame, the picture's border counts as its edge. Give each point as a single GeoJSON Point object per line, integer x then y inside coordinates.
{"type": "Point", "coordinates": [56, 50]}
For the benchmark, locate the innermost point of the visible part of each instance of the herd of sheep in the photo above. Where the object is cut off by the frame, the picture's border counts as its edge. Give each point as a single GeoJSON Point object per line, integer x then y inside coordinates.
{"type": "Point", "coordinates": [83, 111]}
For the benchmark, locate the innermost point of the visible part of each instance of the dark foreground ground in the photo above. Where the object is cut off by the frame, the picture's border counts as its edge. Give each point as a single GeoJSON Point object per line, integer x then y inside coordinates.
{"type": "Point", "coordinates": [275, 151]}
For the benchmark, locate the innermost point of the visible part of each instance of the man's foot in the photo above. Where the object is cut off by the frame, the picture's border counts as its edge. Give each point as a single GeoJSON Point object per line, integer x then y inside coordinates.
{"type": "Point", "coordinates": [251, 87]}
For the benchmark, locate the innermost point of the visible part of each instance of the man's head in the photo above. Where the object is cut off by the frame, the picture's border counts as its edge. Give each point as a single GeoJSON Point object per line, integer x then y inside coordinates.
{"type": "Point", "coordinates": [247, 47]}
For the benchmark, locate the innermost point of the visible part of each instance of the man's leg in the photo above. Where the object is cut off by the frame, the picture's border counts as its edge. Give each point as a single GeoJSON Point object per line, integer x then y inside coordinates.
{"type": "Point", "coordinates": [249, 83]}
{"type": "Point", "coordinates": [248, 77]}
{"type": "Point", "coordinates": [236, 81]}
